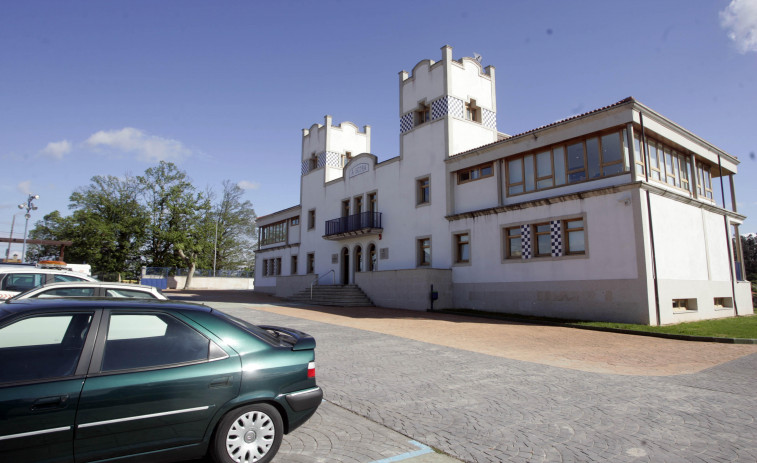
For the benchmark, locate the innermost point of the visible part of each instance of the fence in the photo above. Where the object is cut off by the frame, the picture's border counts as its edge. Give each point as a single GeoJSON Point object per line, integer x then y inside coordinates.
{"type": "Point", "coordinates": [163, 272]}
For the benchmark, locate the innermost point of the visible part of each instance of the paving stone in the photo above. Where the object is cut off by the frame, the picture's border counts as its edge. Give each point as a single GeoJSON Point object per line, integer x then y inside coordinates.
{"type": "Point", "coordinates": [484, 408]}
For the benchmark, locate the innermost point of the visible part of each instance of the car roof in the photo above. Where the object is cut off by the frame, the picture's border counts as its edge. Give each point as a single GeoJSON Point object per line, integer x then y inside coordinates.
{"type": "Point", "coordinates": [26, 269]}
{"type": "Point", "coordinates": [66, 304]}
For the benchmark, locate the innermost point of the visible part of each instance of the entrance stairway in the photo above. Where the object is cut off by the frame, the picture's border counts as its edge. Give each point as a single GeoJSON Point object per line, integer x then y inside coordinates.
{"type": "Point", "coordinates": [335, 295]}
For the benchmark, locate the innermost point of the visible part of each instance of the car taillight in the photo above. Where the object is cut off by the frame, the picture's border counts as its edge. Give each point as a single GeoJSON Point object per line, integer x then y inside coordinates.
{"type": "Point", "coordinates": [311, 370]}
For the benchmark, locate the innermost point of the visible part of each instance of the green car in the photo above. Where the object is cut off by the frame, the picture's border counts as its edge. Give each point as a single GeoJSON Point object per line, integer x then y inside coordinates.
{"type": "Point", "coordinates": [85, 380]}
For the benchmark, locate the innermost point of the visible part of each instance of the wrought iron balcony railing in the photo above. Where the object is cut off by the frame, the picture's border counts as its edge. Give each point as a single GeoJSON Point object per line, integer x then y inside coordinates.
{"type": "Point", "coordinates": [355, 224]}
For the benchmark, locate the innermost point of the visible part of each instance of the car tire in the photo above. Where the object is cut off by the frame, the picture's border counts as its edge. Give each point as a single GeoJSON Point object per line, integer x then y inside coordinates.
{"type": "Point", "coordinates": [250, 434]}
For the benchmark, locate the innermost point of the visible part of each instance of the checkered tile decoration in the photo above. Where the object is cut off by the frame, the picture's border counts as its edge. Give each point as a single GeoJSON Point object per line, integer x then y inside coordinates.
{"type": "Point", "coordinates": [305, 167]}
{"type": "Point", "coordinates": [406, 122]}
{"type": "Point", "coordinates": [333, 159]}
{"type": "Point", "coordinates": [555, 233]}
{"type": "Point", "coordinates": [321, 160]}
{"type": "Point", "coordinates": [488, 118]}
{"type": "Point", "coordinates": [456, 107]}
{"type": "Point", "coordinates": [439, 108]}
{"type": "Point", "coordinates": [525, 239]}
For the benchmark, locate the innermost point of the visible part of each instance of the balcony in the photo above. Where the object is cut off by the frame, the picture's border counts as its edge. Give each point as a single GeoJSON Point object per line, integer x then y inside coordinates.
{"type": "Point", "coordinates": [364, 223]}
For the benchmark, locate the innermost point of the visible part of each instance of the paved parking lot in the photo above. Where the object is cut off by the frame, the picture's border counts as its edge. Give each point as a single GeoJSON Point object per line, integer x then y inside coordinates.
{"type": "Point", "coordinates": [394, 376]}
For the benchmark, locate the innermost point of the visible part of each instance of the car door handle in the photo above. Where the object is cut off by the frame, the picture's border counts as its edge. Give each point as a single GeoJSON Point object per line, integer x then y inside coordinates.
{"type": "Point", "coordinates": [221, 382]}
{"type": "Point", "coordinates": [47, 403]}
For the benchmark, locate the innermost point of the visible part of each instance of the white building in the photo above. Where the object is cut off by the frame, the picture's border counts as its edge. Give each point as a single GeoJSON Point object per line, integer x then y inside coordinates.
{"type": "Point", "coordinates": [563, 221]}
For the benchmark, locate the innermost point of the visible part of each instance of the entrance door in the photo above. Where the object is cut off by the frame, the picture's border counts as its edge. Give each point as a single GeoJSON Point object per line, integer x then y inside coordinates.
{"type": "Point", "coordinates": [345, 266]}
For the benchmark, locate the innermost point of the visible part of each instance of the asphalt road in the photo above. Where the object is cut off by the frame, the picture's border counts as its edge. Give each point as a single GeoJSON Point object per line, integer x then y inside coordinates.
{"type": "Point", "coordinates": [389, 395]}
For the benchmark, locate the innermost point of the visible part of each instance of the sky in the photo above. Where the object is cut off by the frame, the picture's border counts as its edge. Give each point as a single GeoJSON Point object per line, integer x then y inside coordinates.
{"type": "Point", "coordinates": [224, 88]}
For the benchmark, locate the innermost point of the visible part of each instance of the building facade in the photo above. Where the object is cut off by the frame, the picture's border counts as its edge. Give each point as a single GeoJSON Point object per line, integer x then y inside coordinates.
{"type": "Point", "coordinates": [618, 214]}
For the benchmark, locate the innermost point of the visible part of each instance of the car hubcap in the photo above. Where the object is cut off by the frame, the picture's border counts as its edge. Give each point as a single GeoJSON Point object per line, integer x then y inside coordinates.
{"type": "Point", "coordinates": [250, 437]}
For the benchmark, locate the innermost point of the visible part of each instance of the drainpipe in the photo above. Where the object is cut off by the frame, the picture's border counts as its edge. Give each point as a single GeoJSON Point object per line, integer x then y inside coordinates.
{"type": "Point", "coordinates": [728, 241]}
{"type": "Point", "coordinates": [649, 218]}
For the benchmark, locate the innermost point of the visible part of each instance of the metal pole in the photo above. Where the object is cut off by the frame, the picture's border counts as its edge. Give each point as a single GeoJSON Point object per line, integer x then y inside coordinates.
{"type": "Point", "coordinates": [10, 239]}
{"type": "Point", "coordinates": [26, 227]}
{"type": "Point", "coordinates": [215, 249]}
{"type": "Point", "coordinates": [29, 206]}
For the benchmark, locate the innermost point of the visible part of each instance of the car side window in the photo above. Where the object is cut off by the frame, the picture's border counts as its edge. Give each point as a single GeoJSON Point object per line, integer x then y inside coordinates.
{"type": "Point", "coordinates": [42, 347]}
{"type": "Point", "coordinates": [151, 340]}
{"type": "Point", "coordinates": [66, 292]}
{"type": "Point", "coordinates": [57, 278]}
{"type": "Point", "coordinates": [128, 293]}
{"type": "Point", "coordinates": [22, 281]}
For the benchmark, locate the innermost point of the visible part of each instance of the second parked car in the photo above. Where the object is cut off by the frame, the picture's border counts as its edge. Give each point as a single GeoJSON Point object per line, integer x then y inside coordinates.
{"type": "Point", "coordinates": [15, 279]}
{"type": "Point", "coordinates": [92, 289]}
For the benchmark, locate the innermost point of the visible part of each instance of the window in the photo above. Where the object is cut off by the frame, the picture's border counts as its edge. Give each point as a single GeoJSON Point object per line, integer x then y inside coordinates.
{"type": "Point", "coordinates": [638, 156]}
{"type": "Point", "coordinates": [151, 340]}
{"type": "Point", "coordinates": [277, 266]}
{"type": "Point", "coordinates": [42, 347]}
{"type": "Point", "coordinates": [57, 278]}
{"type": "Point", "coordinates": [293, 268]}
{"type": "Point", "coordinates": [373, 202]}
{"type": "Point", "coordinates": [723, 302]}
{"type": "Point", "coordinates": [311, 263]}
{"type": "Point", "coordinates": [424, 252]}
{"type": "Point", "coordinates": [23, 281]}
{"type": "Point", "coordinates": [313, 162]}
{"type": "Point", "coordinates": [294, 221]}
{"type": "Point", "coordinates": [704, 181]}
{"type": "Point", "coordinates": [513, 243]}
{"type": "Point", "coordinates": [66, 292]}
{"type": "Point", "coordinates": [129, 293]}
{"type": "Point", "coordinates": [358, 205]}
{"type": "Point", "coordinates": [577, 161]}
{"type": "Point", "coordinates": [345, 208]}
{"type": "Point", "coordinates": [423, 190]}
{"type": "Point", "coordinates": [475, 173]}
{"type": "Point", "coordinates": [422, 114]}
{"type": "Point", "coordinates": [542, 239]}
{"type": "Point", "coordinates": [311, 219]}
{"type": "Point", "coordinates": [462, 248]}
{"type": "Point", "coordinates": [472, 112]}
{"type": "Point", "coordinates": [575, 242]}
{"type": "Point", "coordinates": [684, 305]}
{"type": "Point", "coordinates": [274, 233]}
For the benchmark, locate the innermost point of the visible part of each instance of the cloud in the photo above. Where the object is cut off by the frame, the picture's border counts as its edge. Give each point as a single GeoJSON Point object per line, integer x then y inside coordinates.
{"type": "Point", "coordinates": [24, 187]}
{"type": "Point", "coordinates": [740, 19]}
{"type": "Point", "coordinates": [57, 149]}
{"type": "Point", "coordinates": [245, 185]}
{"type": "Point", "coordinates": [147, 148]}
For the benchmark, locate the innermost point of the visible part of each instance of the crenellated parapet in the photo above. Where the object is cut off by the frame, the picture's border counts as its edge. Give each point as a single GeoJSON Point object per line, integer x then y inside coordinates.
{"type": "Point", "coordinates": [331, 146]}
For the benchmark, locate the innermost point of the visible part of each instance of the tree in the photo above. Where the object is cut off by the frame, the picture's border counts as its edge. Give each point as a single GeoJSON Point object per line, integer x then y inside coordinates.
{"type": "Point", "coordinates": [181, 223]}
{"type": "Point", "coordinates": [749, 249]}
{"type": "Point", "coordinates": [109, 224]}
{"type": "Point", "coordinates": [235, 218]}
{"type": "Point", "coordinates": [52, 227]}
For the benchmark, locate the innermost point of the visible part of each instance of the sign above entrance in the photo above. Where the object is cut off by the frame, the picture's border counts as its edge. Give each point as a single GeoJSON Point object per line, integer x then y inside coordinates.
{"type": "Point", "coordinates": [359, 169]}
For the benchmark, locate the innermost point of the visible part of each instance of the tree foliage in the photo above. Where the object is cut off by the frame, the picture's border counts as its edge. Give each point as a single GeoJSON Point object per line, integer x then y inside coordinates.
{"type": "Point", "coordinates": [181, 224]}
{"type": "Point", "coordinates": [158, 219]}
{"type": "Point", "coordinates": [749, 249]}
{"type": "Point", "coordinates": [236, 229]}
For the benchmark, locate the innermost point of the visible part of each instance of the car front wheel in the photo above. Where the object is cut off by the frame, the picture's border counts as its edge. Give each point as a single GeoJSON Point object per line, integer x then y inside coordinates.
{"type": "Point", "coordinates": [248, 434]}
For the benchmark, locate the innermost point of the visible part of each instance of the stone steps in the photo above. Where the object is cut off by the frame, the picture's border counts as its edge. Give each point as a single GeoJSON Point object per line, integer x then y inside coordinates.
{"type": "Point", "coordinates": [333, 295]}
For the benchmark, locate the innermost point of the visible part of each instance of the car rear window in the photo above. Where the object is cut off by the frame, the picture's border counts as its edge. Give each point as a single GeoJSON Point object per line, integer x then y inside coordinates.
{"type": "Point", "coordinates": [250, 328]}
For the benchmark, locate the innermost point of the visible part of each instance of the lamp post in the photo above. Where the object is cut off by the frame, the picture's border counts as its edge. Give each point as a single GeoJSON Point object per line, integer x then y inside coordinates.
{"type": "Point", "coordinates": [29, 206]}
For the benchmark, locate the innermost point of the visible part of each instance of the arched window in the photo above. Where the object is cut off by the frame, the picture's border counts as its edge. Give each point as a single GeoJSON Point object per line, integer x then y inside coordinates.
{"type": "Point", "coordinates": [358, 259]}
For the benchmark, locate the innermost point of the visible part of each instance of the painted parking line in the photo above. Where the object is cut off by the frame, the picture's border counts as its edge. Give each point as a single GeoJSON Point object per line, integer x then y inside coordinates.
{"type": "Point", "coordinates": [422, 450]}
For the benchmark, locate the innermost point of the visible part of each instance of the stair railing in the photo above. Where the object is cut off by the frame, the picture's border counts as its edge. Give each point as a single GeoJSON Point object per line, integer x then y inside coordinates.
{"type": "Point", "coordinates": [318, 278]}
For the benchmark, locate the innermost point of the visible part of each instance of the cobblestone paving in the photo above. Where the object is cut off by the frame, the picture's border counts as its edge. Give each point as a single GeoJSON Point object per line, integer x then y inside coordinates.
{"type": "Point", "coordinates": [481, 408]}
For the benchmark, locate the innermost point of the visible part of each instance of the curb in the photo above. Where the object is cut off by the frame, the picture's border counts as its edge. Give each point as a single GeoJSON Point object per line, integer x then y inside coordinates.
{"type": "Point", "coordinates": [680, 337]}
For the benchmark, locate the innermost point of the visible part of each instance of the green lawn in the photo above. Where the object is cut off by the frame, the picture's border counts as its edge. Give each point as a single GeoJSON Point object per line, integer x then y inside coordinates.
{"type": "Point", "coordinates": [734, 327]}
{"type": "Point", "coordinates": [737, 327]}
